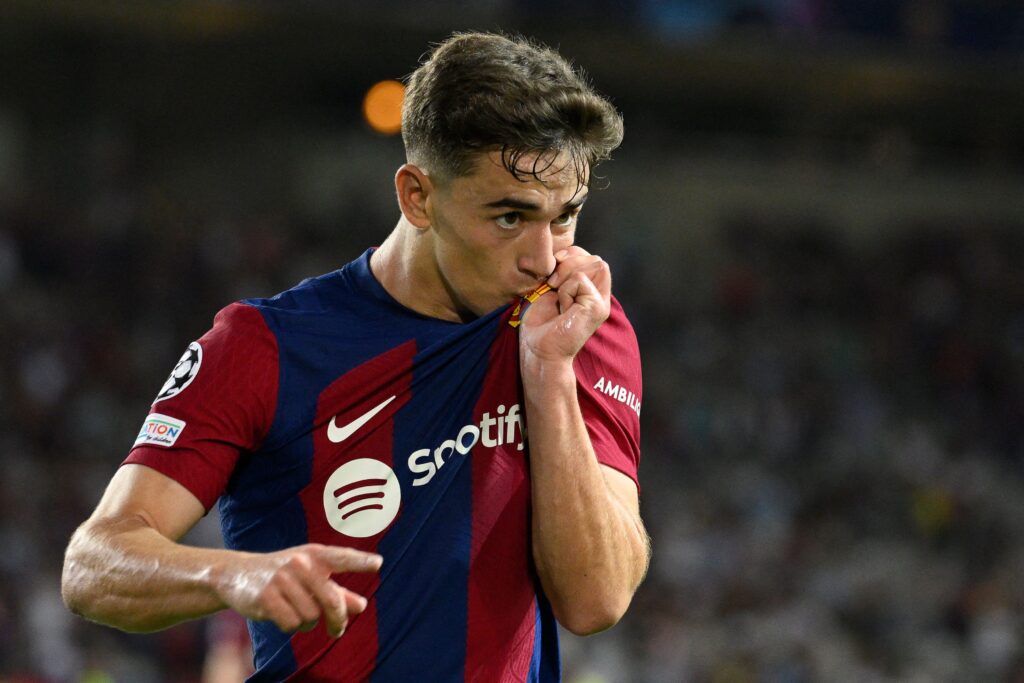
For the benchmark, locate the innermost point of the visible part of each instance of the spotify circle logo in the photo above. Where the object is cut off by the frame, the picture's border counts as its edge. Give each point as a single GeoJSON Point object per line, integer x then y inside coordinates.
{"type": "Point", "coordinates": [362, 498]}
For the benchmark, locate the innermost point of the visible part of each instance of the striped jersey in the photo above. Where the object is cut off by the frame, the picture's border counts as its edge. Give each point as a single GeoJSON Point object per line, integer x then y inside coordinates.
{"type": "Point", "coordinates": [332, 414]}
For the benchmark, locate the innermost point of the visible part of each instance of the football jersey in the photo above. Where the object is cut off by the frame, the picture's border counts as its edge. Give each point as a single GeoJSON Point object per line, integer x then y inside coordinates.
{"type": "Point", "coordinates": [332, 414]}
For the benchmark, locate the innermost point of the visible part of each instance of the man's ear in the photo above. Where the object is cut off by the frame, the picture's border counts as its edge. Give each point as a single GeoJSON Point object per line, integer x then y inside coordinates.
{"type": "Point", "coordinates": [414, 189]}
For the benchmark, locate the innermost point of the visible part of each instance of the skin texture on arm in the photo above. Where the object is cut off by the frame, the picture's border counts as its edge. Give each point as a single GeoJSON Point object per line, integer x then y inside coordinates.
{"type": "Point", "coordinates": [124, 568]}
{"type": "Point", "coordinates": [589, 544]}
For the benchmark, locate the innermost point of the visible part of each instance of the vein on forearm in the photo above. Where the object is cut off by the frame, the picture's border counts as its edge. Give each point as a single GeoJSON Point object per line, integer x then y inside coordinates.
{"type": "Point", "coordinates": [121, 571]}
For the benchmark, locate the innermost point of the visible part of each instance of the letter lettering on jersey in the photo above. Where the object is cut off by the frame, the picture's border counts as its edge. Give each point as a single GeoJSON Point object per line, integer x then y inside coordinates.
{"type": "Point", "coordinates": [439, 458]}
{"type": "Point", "coordinates": [512, 420]}
{"type": "Point", "coordinates": [427, 464]}
{"type": "Point", "coordinates": [460, 441]}
{"type": "Point", "coordinates": [620, 393]}
{"type": "Point", "coordinates": [501, 425]}
{"type": "Point", "coordinates": [485, 430]}
{"type": "Point", "coordinates": [420, 462]}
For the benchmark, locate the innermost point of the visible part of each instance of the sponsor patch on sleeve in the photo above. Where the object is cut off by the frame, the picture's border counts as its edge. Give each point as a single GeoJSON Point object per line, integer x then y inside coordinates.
{"type": "Point", "coordinates": [159, 430]}
{"type": "Point", "coordinates": [620, 393]}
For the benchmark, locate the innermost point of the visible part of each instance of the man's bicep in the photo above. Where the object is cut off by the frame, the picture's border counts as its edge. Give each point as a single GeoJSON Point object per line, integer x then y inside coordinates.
{"type": "Point", "coordinates": [141, 491]}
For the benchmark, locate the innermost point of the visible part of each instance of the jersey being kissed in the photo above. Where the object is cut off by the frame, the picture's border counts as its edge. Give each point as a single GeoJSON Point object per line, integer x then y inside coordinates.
{"type": "Point", "coordinates": [332, 414]}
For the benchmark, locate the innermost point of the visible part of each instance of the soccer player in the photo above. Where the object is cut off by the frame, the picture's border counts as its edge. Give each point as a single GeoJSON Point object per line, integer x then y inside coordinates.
{"type": "Point", "coordinates": [422, 451]}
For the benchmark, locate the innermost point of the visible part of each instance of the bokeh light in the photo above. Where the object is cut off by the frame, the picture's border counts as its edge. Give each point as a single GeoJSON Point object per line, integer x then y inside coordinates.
{"type": "Point", "coordinates": [382, 107]}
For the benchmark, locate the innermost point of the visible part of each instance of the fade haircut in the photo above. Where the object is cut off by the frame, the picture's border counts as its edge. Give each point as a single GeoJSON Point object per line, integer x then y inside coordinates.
{"type": "Point", "coordinates": [484, 92]}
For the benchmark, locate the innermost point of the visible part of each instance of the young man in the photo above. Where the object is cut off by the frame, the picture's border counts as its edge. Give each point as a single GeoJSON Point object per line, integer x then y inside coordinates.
{"type": "Point", "coordinates": [381, 411]}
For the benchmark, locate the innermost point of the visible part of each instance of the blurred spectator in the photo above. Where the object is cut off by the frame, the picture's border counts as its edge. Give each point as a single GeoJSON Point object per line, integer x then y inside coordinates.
{"type": "Point", "coordinates": [228, 649]}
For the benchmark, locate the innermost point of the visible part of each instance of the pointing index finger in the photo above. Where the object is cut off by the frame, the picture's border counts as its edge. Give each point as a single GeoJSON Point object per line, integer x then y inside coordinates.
{"type": "Point", "coordinates": [350, 560]}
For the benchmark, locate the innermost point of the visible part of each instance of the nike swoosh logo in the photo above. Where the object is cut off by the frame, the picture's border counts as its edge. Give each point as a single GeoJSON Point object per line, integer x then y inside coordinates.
{"type": "Point", "coordinates": [338, 434]}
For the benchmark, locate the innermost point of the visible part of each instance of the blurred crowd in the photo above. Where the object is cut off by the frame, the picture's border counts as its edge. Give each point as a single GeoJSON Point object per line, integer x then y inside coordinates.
{"type": "Point", "coordinates": [972, 25]}
{"type": "Point", "coordinates": [833, 472]}
{"type": "Point", "coordinates": [980, 26]}
{"type": "Point", "coordinates": [977, 25]}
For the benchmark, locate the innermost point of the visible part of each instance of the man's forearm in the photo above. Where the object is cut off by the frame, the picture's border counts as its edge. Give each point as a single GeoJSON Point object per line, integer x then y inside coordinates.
{"type": "Point", "coordinates": [123, 573]}
{"type": "Point", "coordinates": [124, 567]}
{"type": "Point", "coordinates": [590, 550]}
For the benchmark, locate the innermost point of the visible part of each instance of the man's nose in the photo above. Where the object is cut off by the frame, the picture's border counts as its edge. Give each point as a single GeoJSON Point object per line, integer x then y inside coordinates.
{"type": "Point", "coordinates": [538, 258]}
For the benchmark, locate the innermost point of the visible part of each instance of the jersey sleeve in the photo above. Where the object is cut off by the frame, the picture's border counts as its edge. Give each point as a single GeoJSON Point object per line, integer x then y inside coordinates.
{"type": "Point", "coordinates": [218, 403]}
{"type": "Point", "coordinates": [610, 387]}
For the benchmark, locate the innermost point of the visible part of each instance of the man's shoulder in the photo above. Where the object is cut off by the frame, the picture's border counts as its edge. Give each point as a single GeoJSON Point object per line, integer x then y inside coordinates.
{"type": "Point", "coordinates": [320, 293]}
{"type": "Point", "coordinates": [616, 331]}
{"type": "Point", "coordinates": [612, 351]}
{"type": "Point", "coordinates": [339, 292]}
{"type": "Point", "coordinates": [618, 313]}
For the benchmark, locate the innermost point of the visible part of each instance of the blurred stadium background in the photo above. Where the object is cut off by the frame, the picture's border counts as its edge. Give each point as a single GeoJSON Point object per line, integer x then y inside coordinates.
{"type": "Point", "coordinates": [816, 222]}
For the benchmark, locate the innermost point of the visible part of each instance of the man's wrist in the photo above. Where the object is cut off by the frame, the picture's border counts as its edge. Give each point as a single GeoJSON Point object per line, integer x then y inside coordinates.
{"type": "Point", "coordinates": [540, 372]}
{"type": "Point", "coordinates": [219, 577]}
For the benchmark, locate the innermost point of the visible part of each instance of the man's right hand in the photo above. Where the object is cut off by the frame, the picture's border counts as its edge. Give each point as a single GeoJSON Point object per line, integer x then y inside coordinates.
{"type": "Point", "coordinates": [125, 568]}
{"type": "Point", "coordinates": [293, 588]}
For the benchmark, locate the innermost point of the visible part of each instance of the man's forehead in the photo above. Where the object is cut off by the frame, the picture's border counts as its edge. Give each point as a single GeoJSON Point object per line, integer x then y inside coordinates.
{"type": "Point", "coordinates": [553, 169]}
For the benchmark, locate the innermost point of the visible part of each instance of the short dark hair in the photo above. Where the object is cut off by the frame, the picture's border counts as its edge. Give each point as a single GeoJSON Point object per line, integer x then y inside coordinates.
{"type": "Point", "coordinates": [482, 92]}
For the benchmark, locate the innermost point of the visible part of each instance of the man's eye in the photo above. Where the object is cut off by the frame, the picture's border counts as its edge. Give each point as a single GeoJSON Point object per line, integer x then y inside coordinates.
{"type": "Point", "coordinates": [565, 218]}
{"type": "Point", "coordinates": [509, 220]}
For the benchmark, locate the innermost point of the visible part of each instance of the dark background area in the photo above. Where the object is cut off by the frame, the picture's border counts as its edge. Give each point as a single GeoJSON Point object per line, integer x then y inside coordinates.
{"type": "Point", "coordinates": [816, 224]}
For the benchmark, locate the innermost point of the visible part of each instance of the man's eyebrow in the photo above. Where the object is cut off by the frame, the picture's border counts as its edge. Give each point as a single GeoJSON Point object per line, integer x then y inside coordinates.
{"type": "Point", "coordinates": [577, 203]}
{"type": "Point", "coordinates": [509, 203]}
{"type": "Point", "coordinates": [520, 205]}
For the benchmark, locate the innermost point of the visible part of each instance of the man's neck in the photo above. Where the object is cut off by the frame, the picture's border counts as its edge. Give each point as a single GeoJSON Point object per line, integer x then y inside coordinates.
{"type": "Point", "coordinates": [405, 269]}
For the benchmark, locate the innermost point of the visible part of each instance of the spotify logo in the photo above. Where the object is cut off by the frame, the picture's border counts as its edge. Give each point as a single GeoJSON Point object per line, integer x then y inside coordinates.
{"type": "Point", "coordinates": [362, 498]}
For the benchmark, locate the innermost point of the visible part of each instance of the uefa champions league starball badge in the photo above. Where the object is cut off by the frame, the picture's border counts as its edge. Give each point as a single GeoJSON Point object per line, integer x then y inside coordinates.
{"type": "Point", "coordinates": [183, 373]}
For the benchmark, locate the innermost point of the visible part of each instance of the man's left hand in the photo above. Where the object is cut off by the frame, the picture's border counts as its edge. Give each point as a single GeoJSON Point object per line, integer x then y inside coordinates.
{"type": "Point", "coordinates": [558, 324]}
